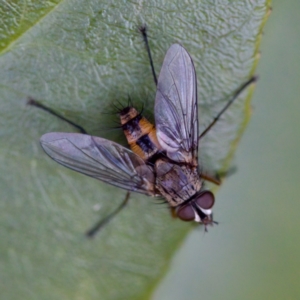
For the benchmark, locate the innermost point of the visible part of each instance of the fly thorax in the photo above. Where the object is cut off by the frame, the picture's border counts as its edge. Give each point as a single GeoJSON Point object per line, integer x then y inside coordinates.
{"type": "Point", "coordinates": [176, 182]}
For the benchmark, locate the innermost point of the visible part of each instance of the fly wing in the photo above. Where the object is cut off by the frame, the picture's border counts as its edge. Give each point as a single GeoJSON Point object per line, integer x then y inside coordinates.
{"type": "Point", "coordinates": [176, 110]}
{"type": "Point", "coordinates": [101, 159]}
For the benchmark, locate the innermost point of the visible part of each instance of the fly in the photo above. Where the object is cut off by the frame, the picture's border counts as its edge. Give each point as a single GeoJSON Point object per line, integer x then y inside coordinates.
{"type": "Point", "coordinates": [163, 160]}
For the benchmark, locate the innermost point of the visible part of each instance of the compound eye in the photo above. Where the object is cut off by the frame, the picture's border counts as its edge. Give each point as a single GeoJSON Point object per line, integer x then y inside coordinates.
{"type": "Point", "coordinates": [186, 213]}
{"type": "Point", "coordinates": [205, 200]}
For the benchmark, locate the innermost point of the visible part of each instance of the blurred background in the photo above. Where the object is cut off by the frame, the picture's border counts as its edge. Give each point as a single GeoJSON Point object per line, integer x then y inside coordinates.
{"type": "Point", "coordinates": [254, 253]}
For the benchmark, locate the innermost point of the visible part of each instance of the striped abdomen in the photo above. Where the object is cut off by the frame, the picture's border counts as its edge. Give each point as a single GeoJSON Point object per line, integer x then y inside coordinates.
{"type": "Point", "coordinates": [140, 133]}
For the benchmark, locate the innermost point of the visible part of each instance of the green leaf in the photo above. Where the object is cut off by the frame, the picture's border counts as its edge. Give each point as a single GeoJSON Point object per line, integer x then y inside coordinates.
{"type": "Point", "coordinates": [81, 58]}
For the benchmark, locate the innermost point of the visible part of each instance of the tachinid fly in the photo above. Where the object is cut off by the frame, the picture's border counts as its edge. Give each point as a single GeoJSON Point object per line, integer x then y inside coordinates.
{"type": "Point", "coordinates": [163, 160]}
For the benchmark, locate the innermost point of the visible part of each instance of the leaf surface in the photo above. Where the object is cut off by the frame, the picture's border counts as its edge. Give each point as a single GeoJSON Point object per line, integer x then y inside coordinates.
{"type": "Point", "coordinates": [81, 58]}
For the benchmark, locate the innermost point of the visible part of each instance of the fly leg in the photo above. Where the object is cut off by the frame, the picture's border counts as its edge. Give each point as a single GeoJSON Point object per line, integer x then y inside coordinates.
{"type": "Point", "coordinates": [214, 179]}
{"type": "Point", "coordinates": [91, 232]}
{"type": "Point", "coordinates": [235, 95]}
{"type": "Point", "coordinates": [217, 178]}
{"type": "Point", "coordinates": [52, 112]}
{"type": "Point", "coordinates": [143, 31]}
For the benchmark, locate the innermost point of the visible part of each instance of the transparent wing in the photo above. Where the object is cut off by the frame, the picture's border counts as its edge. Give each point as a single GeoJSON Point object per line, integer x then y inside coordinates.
{"type": "Point", "coordinates": [176, 111]}
{"type": "Point", "coordinates": [101, 159]}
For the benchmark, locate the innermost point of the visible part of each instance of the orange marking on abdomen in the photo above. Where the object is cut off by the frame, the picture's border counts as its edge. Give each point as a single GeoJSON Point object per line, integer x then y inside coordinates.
{"type": "Point", "coordinates": [140, 133]}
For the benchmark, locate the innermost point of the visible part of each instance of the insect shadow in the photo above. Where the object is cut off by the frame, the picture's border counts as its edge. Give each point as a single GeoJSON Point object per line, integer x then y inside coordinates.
{"type": "Point", "coordinates": [163, 158]}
